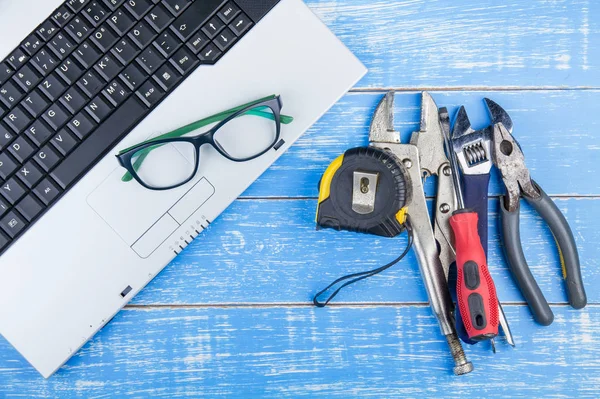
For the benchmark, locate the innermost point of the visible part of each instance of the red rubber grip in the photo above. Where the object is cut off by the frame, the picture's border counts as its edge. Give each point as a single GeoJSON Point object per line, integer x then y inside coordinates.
{"type": "Point", "coordinates": [475, 289]}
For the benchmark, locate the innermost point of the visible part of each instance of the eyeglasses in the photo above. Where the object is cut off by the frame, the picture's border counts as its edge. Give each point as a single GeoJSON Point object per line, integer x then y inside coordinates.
{"type": "Point", "coordinates": [172, 159]}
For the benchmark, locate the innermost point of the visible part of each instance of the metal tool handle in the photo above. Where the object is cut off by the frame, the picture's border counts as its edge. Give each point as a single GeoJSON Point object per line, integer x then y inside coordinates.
{"type": "Point", "coordinates": [475, 192]}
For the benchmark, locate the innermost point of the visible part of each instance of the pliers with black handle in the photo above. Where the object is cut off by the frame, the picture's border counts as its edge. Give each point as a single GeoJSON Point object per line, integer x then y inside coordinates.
{"type": "Point", "coordinates": [510, 161]}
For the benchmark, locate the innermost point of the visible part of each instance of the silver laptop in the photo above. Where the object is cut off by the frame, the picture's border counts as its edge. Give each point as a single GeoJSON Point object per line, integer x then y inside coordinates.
{"type": "Point", "coordinates": [78, 244]}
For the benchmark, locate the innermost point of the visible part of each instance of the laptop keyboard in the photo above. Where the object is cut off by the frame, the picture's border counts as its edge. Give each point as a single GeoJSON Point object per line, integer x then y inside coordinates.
{"type": "Point", "coordinates": [86, 76]}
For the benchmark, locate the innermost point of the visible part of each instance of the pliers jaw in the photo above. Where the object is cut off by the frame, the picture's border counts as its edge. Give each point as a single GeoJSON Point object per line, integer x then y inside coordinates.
{"type": "Point", "coordinates": [510, 161]}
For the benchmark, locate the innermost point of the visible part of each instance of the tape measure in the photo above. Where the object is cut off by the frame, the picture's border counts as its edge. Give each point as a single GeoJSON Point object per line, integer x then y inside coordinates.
{"type": "Point", "coordinates": [365, 190]}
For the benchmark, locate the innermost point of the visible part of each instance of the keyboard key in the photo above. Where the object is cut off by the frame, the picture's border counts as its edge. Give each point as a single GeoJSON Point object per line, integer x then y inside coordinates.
{"type": "Point", "coordinates": [98, 143]}
{"type": "Point", "coordinates": [73, 100]}
{"type": "Point", "coordinates": [198, 41]}
{"type": "Point", "coordinates": [56, 116]}
{"type": "Point", "coordinates": [4, 240]}
{"type": "Point", "coordinates": [7, 165]}
{"type": "Point", "coordinates": [213, 27]}
{"type": "Point", "coordinates": [10, 95]}
{"type": "Point", "coordinates": [209, 54]}
{"type": "Point", "coordinates": [150, 60]}
{"type": "Point", "coordinates": [62, 16]}
{"type": "Point", "coordinates": [228, 12]}
{"type": "Point", "coordinates": [64, 142]}
{"type": "Point", "coordinates": [21, 149]}
{"type": "Point", "coordinates": [4, 206]}
{"type": "Point", "coordinates": [52, 87]}
{"type": "Point", "coordinates": [132, 77]}
{"type": "Point", "coordinates": [184, 61]}
{"type": "Point", "coordinates": [166, 77]}
{"type": "Point", "coordinates": [31, 45]}
{"type": "Point", "coordinates": [35, 103]}
{"type": "Point", "coordinates": [17, 119]}
{"type": "Point", "coordinates": [29, 207]}
{"type": "Point", "coordinates": [99, 109]}
{"type": "Point", "coordinates": [38, 133]}
{"type": "Point", "coordinates": [91, 83]}
{"type": "Point", "coordinates": [142, 34]}
{"type": "Point", "coordinates": [95, 12]}
{"type": "Point", "coordinates": [81, 125]}
{"type": "Point", "coordinates": [78, 29]}
{"type": "Point", "coordinates": [27, 78]}
{"type": "Point", "coordinates": [12, 224]}
{"type": "Point", "coordinates": [225, 39]}
{"type": "Point", "coordinates": [159, 18]}
{"type": "Point", "coordinates": [121, 22]}
{"type": "Point", "coordinates": [76, 5]}
{"type": "Point", "coordinates": [30, 174]}
{"type": "Point", "coordinates": [167, 43]}
{"type": "Point", "coordinates": [113, 4]}
{"type": "Point", "coordinates": [125, 51]}
{"type": "Point", "coordinates": [61, 45]}
{"type": "Point", "coordinates": [47, 191]}
{"type": "Point", "coordinates": [70, 71]}
{"type": "Point", "coordinates": [149, 93]}
{"type": "Point", "coordinates": [115, 93]}
{"type": "Point", "coordinates": [47, 30]}
{"type": "Point", "coordinates": [138, 7]}
{"type": "Point", "coordinates": [193, 18]}
{"type": "Point", "coordinates": [17, 59]}
{"type": "Point", "coordinates": [176, 6]}
{"type": "Point", "coordinates": [44, 61]}
{"type": "Point", "coordinates": [104, 38]}
{"type": "Point", "coordinates": [240, 24]}
{"type": "Point", "coordinates": [12, 190]}
{"type": "Point", "coordinates": [5, 72]}
{"type": "Point", "coordinates": [87, 54]}
{"type": "Point", "coordinates": [47, 158]}
{"type": "Point", "coordinates": [108, 67]}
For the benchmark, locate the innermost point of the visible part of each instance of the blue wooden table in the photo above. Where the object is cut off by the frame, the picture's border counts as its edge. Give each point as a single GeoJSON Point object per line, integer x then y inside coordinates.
{"type": "Point", "coordinates": [232, 316]}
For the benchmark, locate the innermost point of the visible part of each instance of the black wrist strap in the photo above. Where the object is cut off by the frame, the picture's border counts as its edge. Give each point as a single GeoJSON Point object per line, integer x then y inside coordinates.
{"type": "Point", "coordinates": [353, 278]}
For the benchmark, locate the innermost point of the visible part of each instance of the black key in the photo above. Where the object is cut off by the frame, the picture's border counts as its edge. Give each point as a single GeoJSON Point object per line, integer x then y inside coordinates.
{"type": "Point", "coordinates": [99, 109]}
{"type": "Point", "coordinates": [61, 45]}
{"type": "Point", "coordinates": [10, 95]}
{"type": "Point", "coordinates": [21, 149]}
{"type": "Point", "coordinates": [2, 110]}
{"type": "Point", "coordinates": [38, 132]}
{"type": "Point", "coordinates": [184, 61]}
{"type": "Point", "coordinates": [70, 71]}
{"type": "Point", "coordinates": [17, 119]}
{"type": "Point", "coordinates": [138, 7]}
{"type": "Point", "coordinates": [29, 207]}
{"type": "Point", "coordinates": [47, 30]}
{"type": "Point", "coordinates": [44, 61]}
{"type": "Point", "coordinates": [52, 87]}
{"type": "Point", "coordinates": [27, 78]}
{"type": "Point", "coordinates": [62, 16]}
{"type": "Point", "coordinates": [81, 125]}
{"type": "Point", "coordinates": [193, 18]}
{"type": "Point", "coordinates": [12, 190]}
{"type": "Point", "coordinates": [240, 24]}
{"type": "Point", "coordinates": [95, 12]}
{"type": "Point", "coordinates": [5, 72]}
{"type": "Point", "coordinates": [87, 54]}
{"type": "Point", "coordinates": [132, 77]}
{"type": "Point", "coordinates": [209, 54]}
{"type": "Point", "coordinates": [47, 158]}
{"type": "Point", "coordinates": [31, 45]}
{"type": "Point", "coordinates": [56, 116]}
{"type": "Point", "coordinates": [64, 142]}
{"type": "Point", "coordinates": [30, 174]}
{"type": "Point", "coordinates": [166, 77]}
{"type": "Point", "coordinates": [3, 209]}
{"type": "Point", "coordinates": [112, 130]}
{"type": "Point", "coordinates": [104, 37]}
{"type": "Point", "coordinates": [17, 59]}
{"type": "Point", "coordinates": [213, 27]}
{"type": "Point", "coordinates": [159, 18]}
{"type": "Point", "coordinates": [108, 67]}
{"type": "Point", "coordinates": [176, 6]}
{"type": "Point", "coordinates": [121, 22]}
{"type": "Point", "coordinates": [149, 93]}
{"type": "Point", "coordinates": [150, 60]}
{"type": "Point", "coordinates": [142, 34]}
{"type": "Point", "coordinates": [76, 5]}
{"type": "Point", "coordinates": [7, 165]}
{"type": "Point", "coordinates": [125, 51]}
{"type": "Point", "coordinates": [12, 224]}
{"type": "Point", "coordinates": [115, 93]}
{"type": "Point", "coordinates": [73, 100]}
{"type": "Point", "coordinates": [78, 29]}
{"type": "Point", "coordinates": [4, 240]}
{"type": "Point", "coordinates": [91, 83]}
{"type": "Point", "coordinates": [167, 43]}
{"type": "Point", "coordinates": [47, 191]}
{"type": "Point", "coordinates": [6, 137]}
{"type": "Point", "coordinates": [228, 12]}
{"type": "Point", "coordinates": [197, 42]}
{"type": "Point", "coordinates": [113, 4]}
{"type": "Point", "coordinates": [225, 39]}
{"type": "Point", "coordinates": [35, 103]}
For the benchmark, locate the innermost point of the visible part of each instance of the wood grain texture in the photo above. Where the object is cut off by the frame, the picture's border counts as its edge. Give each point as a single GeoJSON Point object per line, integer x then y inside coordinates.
{"type": "Point", "coordinates": [375, 352]}
{"type": "Point", "coordinates": [557, 130]}
{"type": "Point", "coordinates": [470, 43]}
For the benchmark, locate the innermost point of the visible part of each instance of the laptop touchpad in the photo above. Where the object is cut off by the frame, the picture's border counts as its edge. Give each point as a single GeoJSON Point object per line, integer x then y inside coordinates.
{"type": "Point", "coordinates": [132, 210]}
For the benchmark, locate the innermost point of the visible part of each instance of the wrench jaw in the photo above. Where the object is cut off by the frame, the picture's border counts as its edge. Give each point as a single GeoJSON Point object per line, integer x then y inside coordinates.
{"type": "Point", "coordinates": [473, 148]}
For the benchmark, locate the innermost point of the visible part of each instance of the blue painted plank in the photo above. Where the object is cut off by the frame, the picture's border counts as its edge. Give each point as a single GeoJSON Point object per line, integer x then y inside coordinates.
{"type": "Point", "coordinates": [556, 129]}
{"type": "Point", "coordinates": [388, 352]}
{"type": "Point", "coordinates": [470, 43]}
{"type": "Point", "coordinates": [268, 251]}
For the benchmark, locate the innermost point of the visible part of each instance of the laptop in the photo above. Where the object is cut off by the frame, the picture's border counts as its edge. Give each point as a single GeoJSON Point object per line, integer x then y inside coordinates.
{"type": "Point", "coordinates": [77, 243]}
